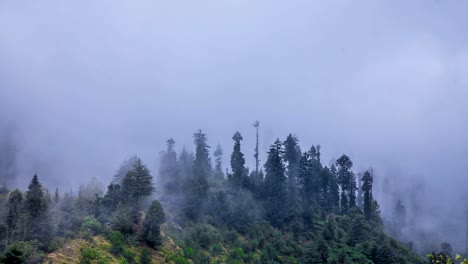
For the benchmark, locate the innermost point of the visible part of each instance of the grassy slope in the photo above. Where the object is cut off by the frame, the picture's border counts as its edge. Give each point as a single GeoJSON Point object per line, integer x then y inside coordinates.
{"type": "Point", "coordinates": [70, 252]}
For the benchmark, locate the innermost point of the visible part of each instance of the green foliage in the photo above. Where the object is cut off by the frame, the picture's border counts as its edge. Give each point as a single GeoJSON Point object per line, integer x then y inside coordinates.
{"type": "Point", "coordinates": [151, 232]}
{"type": "Point", "coordinates": [92, 256]}
{"type": "Point", "coordinates": [145, 256]}
{"type": "Point", "coordinates": [22, 252]}
{"type": "Point", "coordinates": [91, 225]}
{"type": "Point", "coordinates": [117, 241]}
{"type": "Point", "coordinates": [138, 182]}
{"type": "Point", "coordinates": [124, 219]}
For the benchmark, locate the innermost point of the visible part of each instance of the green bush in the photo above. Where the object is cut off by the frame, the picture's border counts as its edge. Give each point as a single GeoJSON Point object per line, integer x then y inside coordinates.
{"type": "Point", "coordinates": [117, 241]}
{"type": "Point", "coordinates": [91, 256]}
{"type": "Point", "coordinates": [91, 225]}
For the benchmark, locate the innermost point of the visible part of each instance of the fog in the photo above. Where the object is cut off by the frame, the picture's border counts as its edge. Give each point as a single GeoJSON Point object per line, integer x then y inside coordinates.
{"type": "Point", "coordinates": [84, 85]}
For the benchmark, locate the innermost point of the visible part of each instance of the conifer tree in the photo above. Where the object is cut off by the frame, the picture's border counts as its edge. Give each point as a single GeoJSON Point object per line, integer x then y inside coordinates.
{"type": "Point", "coordinates": [151, 230]}
{"type": "Point", "coordinates": [345, 178]}
{"type": "Point", "coordinates": [292, 157]}
{"type": "Point", "coordinates": [169, 175]}
{"type": "Point", "coordinates": [56, 196]}
{"type": "Point", "coordinates": [317, 180]}
{"type": "Point", "coordinates": [218, 171]}
{"type": "Point", "coordinates": [275, 184]}
{"type": "Point", "coordinates": [36, 207]}
{"type": "Point", "coordinates": [138, 182]}
{"type": "Point", "coordinates": [305, 178]}
{"type": "Point", "coordinates": [124, 168]}
{"type": "Point", "coordinates": [13, 221]}
{"type": "Point", "coordinates": [367, 199]}
{"type": "Point", "coordinates": [186, 164]}
{"type": "Point", "coordinates": [198, 183]}
{"type": "Point", "coordinates": [238, 177]}
{"type": "Point", "coordinates": [334, 197]}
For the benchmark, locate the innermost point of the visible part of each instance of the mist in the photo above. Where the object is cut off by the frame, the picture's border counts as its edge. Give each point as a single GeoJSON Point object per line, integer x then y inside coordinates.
{"type": "Point", "coordinates": [85, 85]}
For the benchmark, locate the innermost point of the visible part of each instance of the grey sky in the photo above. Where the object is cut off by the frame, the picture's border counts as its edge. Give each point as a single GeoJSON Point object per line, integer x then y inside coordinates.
{"type": "Point", "coordinates": [88, 83]}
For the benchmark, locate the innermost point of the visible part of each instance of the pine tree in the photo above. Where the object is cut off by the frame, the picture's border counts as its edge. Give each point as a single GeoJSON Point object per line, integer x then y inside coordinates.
{"type": "Point", "coordinates": [36, 207]}
{"type": "Point", "coordinates": [334, 197]}
{"type": "Point", "coordinates": [186, 164]}
{"type": "Point", "coordinates": [367, 189]}
{"type": "Point", "coordinates": [317, 175]}
{"type": "Point", "coordinates": [138, 182]}
{"type": "Point", "coordinates": [238, 177]}
{"type": "Point", "coordinates": [292, 157]}
{"type": "Point", "coordinates": [126, 166]}
{"type": "Point", "coordinates": [56, 196]}
{"type": "Point", "coordinates": [35, 202]}
{"type": "Point", "coordinates": [169, 175]}
{"type": "Point", "coordinates": [275, 185]}
{"type": "Point", "coordinates": [345, 178]}
{"type": "Point", "coordinates": [151, 230]}
{"type": "Point", "coordinates": [218, 154]}
{"type": "Point", "coordinates": [352, 190]}
{"type": "Point", "coordinates": [305, 179]}
{"type": "Point", "coordinates": [198, 183]}
{"type": "Point", "coordinates": [13, 221]}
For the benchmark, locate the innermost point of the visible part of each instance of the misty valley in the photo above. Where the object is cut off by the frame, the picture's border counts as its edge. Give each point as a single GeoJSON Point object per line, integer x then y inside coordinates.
{"type": "Point", "coordinates": [234, 131]}
{"type": "Point", "coordinates": [290, 209]}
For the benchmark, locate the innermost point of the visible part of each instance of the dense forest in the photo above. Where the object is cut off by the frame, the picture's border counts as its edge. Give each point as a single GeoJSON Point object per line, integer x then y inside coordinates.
{"type": "Point", "coordinates": [293, 209]}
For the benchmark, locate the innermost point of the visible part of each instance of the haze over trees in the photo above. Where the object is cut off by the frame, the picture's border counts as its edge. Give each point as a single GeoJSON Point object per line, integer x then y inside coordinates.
{"type": "Point", "coordinates": [298, 211]}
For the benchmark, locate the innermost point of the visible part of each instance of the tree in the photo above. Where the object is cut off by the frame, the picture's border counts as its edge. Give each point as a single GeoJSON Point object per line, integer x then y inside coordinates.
{"type": "Point", "coordinates": [126, 166]}
{"type": "Point", "coordinates": [138, 182]}
{"type": "Point", "coordinates": [311, 255]}
{"type": "Point", "coordinates": [113, 197]}
{"type": "Point", "coordinates": [334, 197]}
{"type": "Point", "coordinates": [256, 124]}
{"type": "Point", "coordinates": [367, 199]}
{"type": "Point", "coordinates": [318, 188]}
{"type": "Point", "coordinates": [345, 180]}
{"type": "Point", "coordinates": [13, 221]}
{"type": "Point", "coordinates": [305, 178]}
{"type": "Point", "coordinates": [186, 164]}
{"type": "Point", "coordinates": [169, 175]}
{"type": "Point", "coordinates": [151, 230]}
{"type": "Point", "coordinates": [198, 183]}
{"type": "Point", "coordinates": [292, 157]}
{"type": "Point", "coordinates": [36, 207]}
{"type": "Point", "coordinates": [56, 196]}
{"type": "Point", "coordinates": [218, 172]}
{"type": "Point", "coordinates": [275, 185]}
{"type": "Point", "coordinates": [238, 177]}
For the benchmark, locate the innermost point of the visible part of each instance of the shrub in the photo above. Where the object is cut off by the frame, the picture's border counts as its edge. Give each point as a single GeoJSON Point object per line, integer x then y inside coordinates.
{"type": "Point", "coordinates": [117, 243]}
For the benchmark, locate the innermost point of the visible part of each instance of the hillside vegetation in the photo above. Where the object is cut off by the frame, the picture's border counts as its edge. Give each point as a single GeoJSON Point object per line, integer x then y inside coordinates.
{"type": "Point", "coordinates": [291, 210]}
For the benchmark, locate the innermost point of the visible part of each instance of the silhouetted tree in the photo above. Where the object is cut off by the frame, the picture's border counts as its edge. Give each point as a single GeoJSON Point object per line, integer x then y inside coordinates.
{"type": "Point", "coordinates": [367, 199]}
{"type": "Point", "coordinates": [275, 185]}
{"type": "Point", "coordinates": [238, 178]}
{"type": "Point", "coordinates": [292, 157]}
{"type": "Point", "coordinates": [345, 178]}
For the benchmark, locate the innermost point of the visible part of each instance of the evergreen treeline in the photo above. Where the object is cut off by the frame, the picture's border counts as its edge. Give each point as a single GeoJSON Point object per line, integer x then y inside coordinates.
{"type": "Point", "coordinates": [293, 210]}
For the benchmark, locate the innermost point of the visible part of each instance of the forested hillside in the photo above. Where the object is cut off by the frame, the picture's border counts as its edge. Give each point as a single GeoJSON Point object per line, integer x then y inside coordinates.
{"type": "Point", "coordinates": [293, 209]}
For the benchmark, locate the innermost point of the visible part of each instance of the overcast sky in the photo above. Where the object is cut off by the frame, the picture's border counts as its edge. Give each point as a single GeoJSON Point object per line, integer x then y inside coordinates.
{"type": "Point", "coordinates": [88, 83]}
